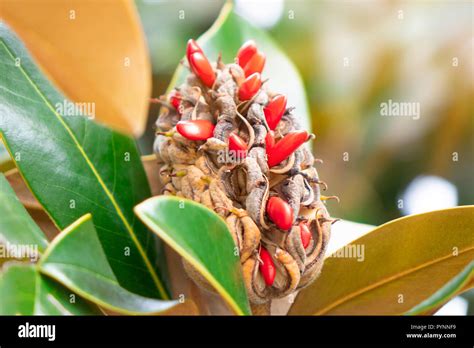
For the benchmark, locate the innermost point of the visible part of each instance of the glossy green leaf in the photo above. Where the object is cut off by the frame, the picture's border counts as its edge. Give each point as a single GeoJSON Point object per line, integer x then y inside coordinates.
{"type": "Point", "coordinates": [393, 268]}
{"type": "Point", "coordinates": [456, 285]}
{"type": "Point", "coordinates": [202, 238]}
{"type": "Point", "coordinates": [226, 36]}
{"type": "Point", "coordinates": [23, 291]}
{"type": "Point", "coordinates": [77, 260]}
{"type": "Point", "coordinates": [16, 225]}
{"type": "Point", "coordinates": [74, 166]}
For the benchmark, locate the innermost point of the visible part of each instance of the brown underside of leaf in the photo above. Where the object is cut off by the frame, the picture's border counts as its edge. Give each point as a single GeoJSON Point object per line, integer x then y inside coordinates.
{"type": "Point", "coordinates": [33, 207]}
{"type": "Point", "coordinates": [412, 257]}
{"type": "Point", "coordinates": [66, 38]}
{"type": "Point", "coordinates": [22, 191]}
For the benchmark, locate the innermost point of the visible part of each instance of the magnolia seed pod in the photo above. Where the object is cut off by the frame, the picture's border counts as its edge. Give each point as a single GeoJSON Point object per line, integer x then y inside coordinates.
{"type": "Point", "coordinates": [235, 112]}
{"type": "Point", "coordinates": [245, 232]}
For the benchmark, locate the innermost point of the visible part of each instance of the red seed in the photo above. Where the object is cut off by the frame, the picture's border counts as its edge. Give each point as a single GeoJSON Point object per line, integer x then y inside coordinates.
{"type": "Point", "coordinates": [275, 110]}
{"type": "Point", "coordinates": [248, 49]}
{"type": "Point", "coordinates": [175, 99]}
{"type": "Point", "coordinates": [280, 213]}
{"type": "Point", "coordinates": [191, 48]}
{"type": "Point", "coordinates": [202, 68]}
{"type": "Point", "coordinates": [195, 129]}
{"type": "Point", "coordinates": [269, 141]}
{"type": "Point", "coordinates": [255, 64]}
{"type": "Point", "coordinates": [267, 267]}
{"type": "Point", "coordinates": [305, 234]}
{"type": "Point", "coordinates": [286, 146]}
{"type": "Point", "coordinates": [250, 86]}
{"type": "Point", "coordinates": [237, 146]}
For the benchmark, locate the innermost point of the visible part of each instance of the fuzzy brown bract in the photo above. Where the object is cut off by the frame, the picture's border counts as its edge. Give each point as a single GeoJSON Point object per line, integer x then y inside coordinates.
{"type": "Point", "coordinates": [239, 187]}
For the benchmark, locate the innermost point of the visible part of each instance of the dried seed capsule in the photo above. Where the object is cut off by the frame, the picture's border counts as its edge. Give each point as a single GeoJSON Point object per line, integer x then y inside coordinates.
{"type": "Point", "coordinates": [288, 123]}
{"type": "Point", "coordinates": [203, 164]}
{"type": "Point", "coordinates": [206, 199]}
{"type": "Point", "coordinates": [250, 87]}
{"type": "Point", "coordinates": [260, 134]}
{"type": "Point", "coordinates": [227, 80]}
{"type": "Point", "coordinates": [254, 174]}
{"type": "Point", "coordinates": [182, 154]}
{"type": "Point", "coordinates": [267, 267]}
{"type": "Point", "coordinates": [233, 223]}
{"type": "Point", "coordinates": [197, 185]}
{"type": "Point", "coordinates": [226, 106]}
{"type": "Point", "coordinates": [255, 114]}
{"type": "Point", "coordinates": [223, 128]}
{"type": "Point", "coordinates": [257, 290]}
{"type": "Point", "coordinates": [195, 129]}
{"type": "Point", "coordinates": [318, 244]}
{"type": "Point", "coordinates": [292, 190]}
{"type": "Point", "coordinates": [255, 204]}
{"type": "Point", "coordinates": [280, 213]}
{"type": "Point", "coordinates": [251, 237]}
{"type": "Point", "coordinates": [160, 146]}
{"type": "Point", "coordinates": [169, 189]}
{"type": "Point", "coordinates": [258, 153]}
{"type": "Point", "coordinates": [245, 233]}
{"type": "Point", "coordinates": [275, 110]}
{"type": "Point", "coordinates": [290, 274]}
{"type": "Point", "coordinates": [214, 145]}
{"type": "Point", "coordinates": [248, 49]}
{"type": "Point", "coordinates": [222, 203]}
{"type": "Point", "coordinates": [295, 248]}
{"type": "Point", "coordinates": [167, 119]}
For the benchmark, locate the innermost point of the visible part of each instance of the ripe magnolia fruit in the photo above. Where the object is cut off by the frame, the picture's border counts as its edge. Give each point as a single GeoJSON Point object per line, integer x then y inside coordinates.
{"type": "Point", "coordinates": [175, 99]}
{"type": "Point", "coordinates": [268, 195]}
{"type": "Point", "coordinates": [280, 213]}
{"type": "Point", "coordinates": [246, 52]}
{"type": "Point", "coordinates": [250, 86]}
{"type": "Point", "coordinates": [255, 64]}
{"type": "Point", "coordinates": [267, 267]}
{"type": "Point", "coordinates": [305, 234]}
{"type": "Point", "coordinates": [192, 48]}
{"type": "Point", "coordinates": [286, 147]}
{"type": "Point", "coordinates": [195, 129]}
{"type": "Point", "coordinates": [199, 64]}
{"type": "Point", "coordinates": [274, 110]}
{"type": "Point", "coordinates": [269, 141]}
{"type": "Point", "coordinates": [237, 145]}
{"type": "Point", "coordinates": [250, 58]}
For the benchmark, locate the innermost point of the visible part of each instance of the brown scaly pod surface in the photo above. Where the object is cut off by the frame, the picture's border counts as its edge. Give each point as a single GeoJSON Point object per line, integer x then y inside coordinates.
{"type": "Point", "coordinates": [226, 141]}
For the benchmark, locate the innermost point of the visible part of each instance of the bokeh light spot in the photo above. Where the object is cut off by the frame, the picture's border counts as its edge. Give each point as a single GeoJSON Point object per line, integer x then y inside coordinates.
{"type": "Point", "coordinates": [427, 193]}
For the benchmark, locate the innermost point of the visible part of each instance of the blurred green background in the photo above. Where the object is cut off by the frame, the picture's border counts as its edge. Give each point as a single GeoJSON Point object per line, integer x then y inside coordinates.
{"type": "Point", "coordinates": [353, 56]}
